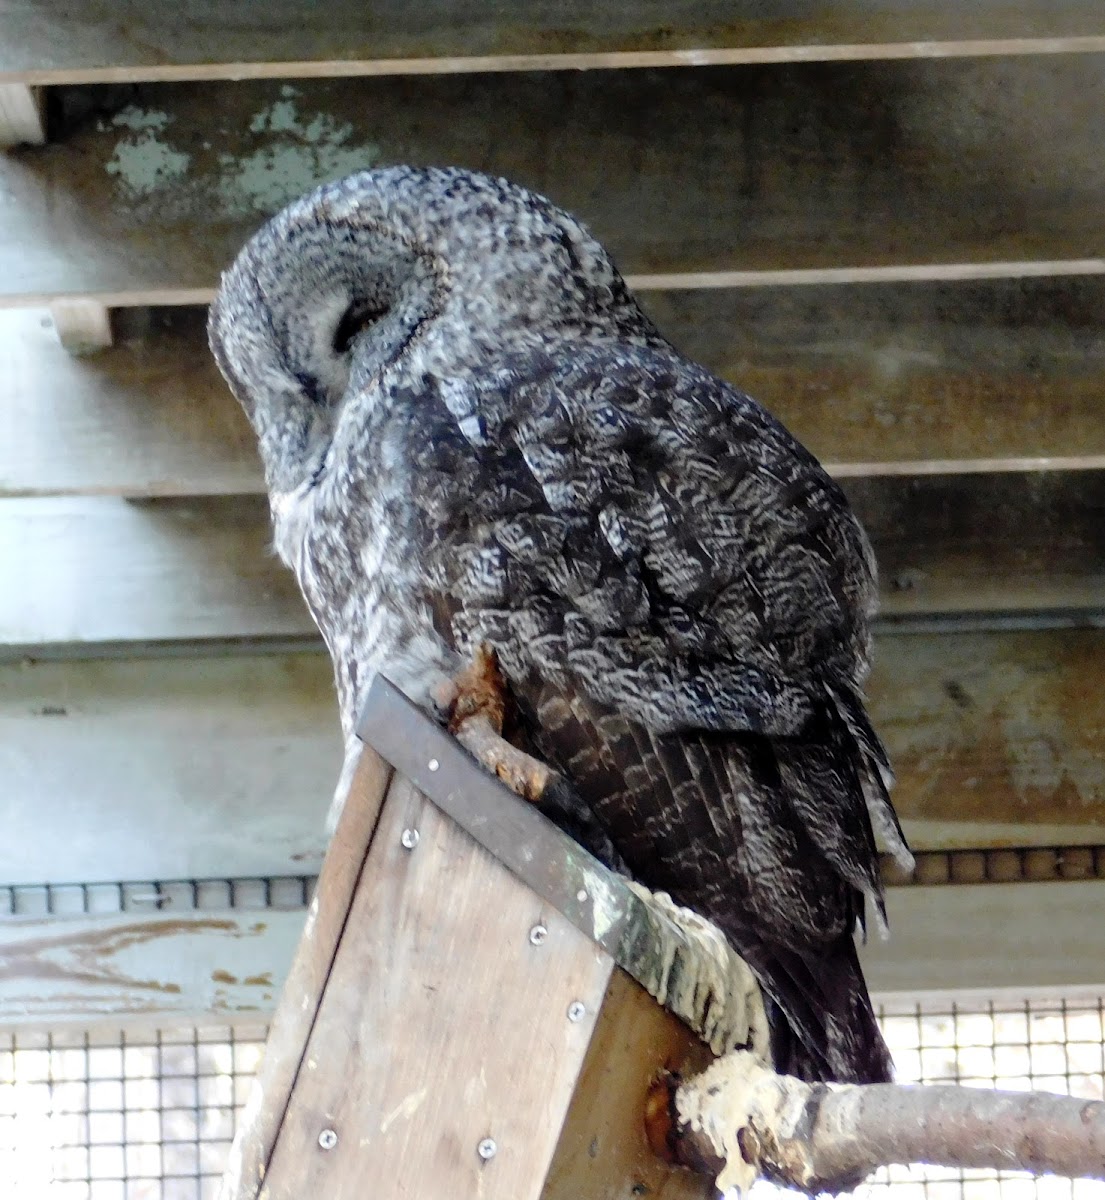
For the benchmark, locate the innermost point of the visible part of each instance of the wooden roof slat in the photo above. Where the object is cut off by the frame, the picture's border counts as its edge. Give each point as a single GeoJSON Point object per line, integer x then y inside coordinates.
{"type": "Point", "coordinates": [959, 166]}
{"type": "Point", "coordinates": [114, 40]}
{"type": "Point", "coordinates": [886, 379]}
{"type": "Point", "coordinates": [99, 570]}
{"type": "Point", "coordinates": [996, 739]}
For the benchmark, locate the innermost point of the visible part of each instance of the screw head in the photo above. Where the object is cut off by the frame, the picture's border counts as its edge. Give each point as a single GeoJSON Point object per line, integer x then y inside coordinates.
{"type": "Point", "coordinates": [433, 764]}
{"type": "Point", "coordinates": [537, 935]}
{"type": "Point", "coordinates": [328, 1139]}
{"type": "Point", "coordinates": [577, 1010]}
{"type": "Point", "coordinates": [409, 839]}
{"type": "Point", "coordinates": [487, 1149]}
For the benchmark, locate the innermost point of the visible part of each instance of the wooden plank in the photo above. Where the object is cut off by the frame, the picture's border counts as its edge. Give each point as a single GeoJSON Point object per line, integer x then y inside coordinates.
{"type": "Point", "coordinates": [149, 417]}
{"type": "Point", "coordinates": [1022, 937]}
{"type": "Point", "coordinates": [172, 768]}
{"type": "Point", "coordinates": [104, 569]}
{"type": "Point", "coordinates": [99, 570]}
{"type": "Point", "coordinates": [410, 1111]}
{"type": "Point", "coordinates": [314, 958]}
{"type": "Point", "coordinates": [135, 967]}
{"type": "Point", "coordinates": [114, 41]}
{"type": "Point", "coordinates": [603, 1153]}
{"type": "Point", "coordinates": [913, 377]}
{"type": "Point", "coordinates": [22, 115]}
{"type": "Point", "coordinates": [1017, 937]}
{"type": "Point", "coordinates": [880, 379]}
{"type": "Point", "coordinates": [152, 189]}
{"type": "Point", "coordinates": [82, 326]}
{"type": "Point", "coordinates": [997, 740]}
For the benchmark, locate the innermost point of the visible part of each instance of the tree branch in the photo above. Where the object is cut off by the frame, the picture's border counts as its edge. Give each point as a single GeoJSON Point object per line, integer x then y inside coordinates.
{"type": "Point", "coordinates": [739, 1120]}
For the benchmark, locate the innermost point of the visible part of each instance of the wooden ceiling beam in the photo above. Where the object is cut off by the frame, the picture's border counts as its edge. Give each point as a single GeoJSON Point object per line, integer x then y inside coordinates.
{"type": "Point", "coordinates": [115, 42]}
{"type": "Point", "coordinates": [904, 379]}
{"type": "Point", "coordinates": [179, 767]}
{"type": "Point", "coordinates": [100, 570]}
{"type": "Point", "coordinates": [796, 174]}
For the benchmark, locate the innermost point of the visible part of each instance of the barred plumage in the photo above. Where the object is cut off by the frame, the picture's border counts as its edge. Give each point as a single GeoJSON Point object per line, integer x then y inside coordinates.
{"type": "Point", "coordinates": [471, 433]}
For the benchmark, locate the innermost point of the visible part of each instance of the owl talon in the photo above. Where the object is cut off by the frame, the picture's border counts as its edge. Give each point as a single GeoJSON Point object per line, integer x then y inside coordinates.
{"type": "Point", "coordinates": [477, 715]}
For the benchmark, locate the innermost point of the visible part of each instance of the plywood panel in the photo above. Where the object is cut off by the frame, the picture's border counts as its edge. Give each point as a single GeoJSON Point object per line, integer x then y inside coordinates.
{"type": "Point", "coordinates": [883, 378]}
{"type": "Point", "coordinates": [150, 190]}
{"type": "Point", "coordinates": [440, 934]}
{"type": "Point", "coordinates": [117, 40]}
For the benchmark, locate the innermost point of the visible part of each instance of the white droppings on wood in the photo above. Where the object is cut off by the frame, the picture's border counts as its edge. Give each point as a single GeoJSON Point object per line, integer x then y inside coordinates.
{"type": "Point", "coordinates": [727, 1097]}
{"type": "Point", "coordinates": [605, 910]}
{"type": "Point", "coordinates": [698, 977]}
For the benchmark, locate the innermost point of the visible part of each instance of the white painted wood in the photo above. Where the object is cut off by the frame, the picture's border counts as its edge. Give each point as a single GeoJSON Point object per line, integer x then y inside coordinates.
{"type": "Point", "coordinates": [165, 769]}
{"type": "Point", "coordinates": [82, 326]}
{"type": "Point", "coordinates": [22, 117]}
{"type": "Point", "coordinates": [135, 968]}
{"type": "Point", "coordinates": [104, 569]}
{"type": "Point", "coordinates": [989, 938]}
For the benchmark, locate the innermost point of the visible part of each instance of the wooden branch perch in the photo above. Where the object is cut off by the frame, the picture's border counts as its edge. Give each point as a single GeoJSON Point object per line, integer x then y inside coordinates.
{"type": "Point", "coordinates": [739, 1120]}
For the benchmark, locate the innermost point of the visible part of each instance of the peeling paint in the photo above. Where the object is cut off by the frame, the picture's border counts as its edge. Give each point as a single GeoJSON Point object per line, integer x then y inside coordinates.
{"type": "Point", "coordinates": [144, 163]}
{"type": "Point", "coordinates": [299, 153]}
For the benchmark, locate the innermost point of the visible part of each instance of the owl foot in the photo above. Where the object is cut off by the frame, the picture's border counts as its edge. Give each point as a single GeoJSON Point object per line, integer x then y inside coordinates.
{"type": "Point", "coordinates": [477, 708]}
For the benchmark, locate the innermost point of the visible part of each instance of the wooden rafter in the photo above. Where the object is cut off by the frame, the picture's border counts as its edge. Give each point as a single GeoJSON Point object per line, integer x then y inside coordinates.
{"type": "Point", "coordinates": [295, 38]}
{"type": "Point", "coordinates": [830, 171]}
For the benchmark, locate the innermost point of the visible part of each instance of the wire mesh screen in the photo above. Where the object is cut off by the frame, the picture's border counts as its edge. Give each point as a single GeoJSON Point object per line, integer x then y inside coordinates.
{"type": "Point", "coordinates": [1052, 1046]}
{"type": "Point", "coordinates": [150, 1115]}
{"type": "Point", "coordinates": [121, 1115]}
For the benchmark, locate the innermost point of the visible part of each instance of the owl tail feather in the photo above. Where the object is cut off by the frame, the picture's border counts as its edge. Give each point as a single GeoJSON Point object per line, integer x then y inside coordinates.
{"type": "Point", "coordinates": [823, 1027]}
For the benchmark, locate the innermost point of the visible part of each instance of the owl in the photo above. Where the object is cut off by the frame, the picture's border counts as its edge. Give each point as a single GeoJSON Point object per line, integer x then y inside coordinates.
{"type": "Point", "coordinates": [473, 436]}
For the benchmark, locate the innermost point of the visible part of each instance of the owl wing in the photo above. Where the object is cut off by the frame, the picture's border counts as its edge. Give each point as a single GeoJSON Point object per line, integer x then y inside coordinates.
{"type": "Point", "coordinates": [679, 597]}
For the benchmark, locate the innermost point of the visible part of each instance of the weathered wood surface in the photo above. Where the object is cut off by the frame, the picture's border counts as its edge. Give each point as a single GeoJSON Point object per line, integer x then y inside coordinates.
{"type": "Point", "coordinates": [603, 1153]}
{"type": "Point", "coordinates": [117, 40]}
{"type": "Point", "coordinates": [22, 115]}
{"type": "Point", "coordinates": [151, 189]}
{"type": "Point", "coordinates": [1017, 937]}
{"type": "Point", "coordinates": [997, 740]}
{"type": "Point", "coordinates": [234, 962]}
{"type": "Point", "coordinates": [410, 1111]}
{"type": "Point", "coordinates": [172, 768]}
{"type": "Point", "coordinates": [99, 570]}
{"type": "Point", "coordinates": [151, 416]}
{"type": "Point", "coordinates": [183, 966]}
{"type": "Point", "coordinates": [308, 975]}
{"type": "Point", "coordinates": [879, 379]}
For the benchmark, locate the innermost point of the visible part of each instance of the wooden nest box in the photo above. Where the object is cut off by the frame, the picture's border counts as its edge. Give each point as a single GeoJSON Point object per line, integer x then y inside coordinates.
{"type": "Point", "coordinates": [464, 1016]}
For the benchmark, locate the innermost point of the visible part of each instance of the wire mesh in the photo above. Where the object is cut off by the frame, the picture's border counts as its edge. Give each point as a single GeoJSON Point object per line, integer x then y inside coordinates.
{"type": "Point", "coordinates": [1045, 1045]}
{"type": "Point", "coordinates": [122, 1115]}
{"type": "Point", "coordinates": [149, 1115]}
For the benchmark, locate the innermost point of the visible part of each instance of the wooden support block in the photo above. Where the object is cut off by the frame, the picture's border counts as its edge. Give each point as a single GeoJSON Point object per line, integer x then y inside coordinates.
{"type": "Point", "coordinates": [22, 115]}
{"type": "Point", "coordinates": [441, 1023]}
{"type": "Point", "coordinates": [603, 1153]}
{"type": "Point", "coordinates": [82, 326]}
